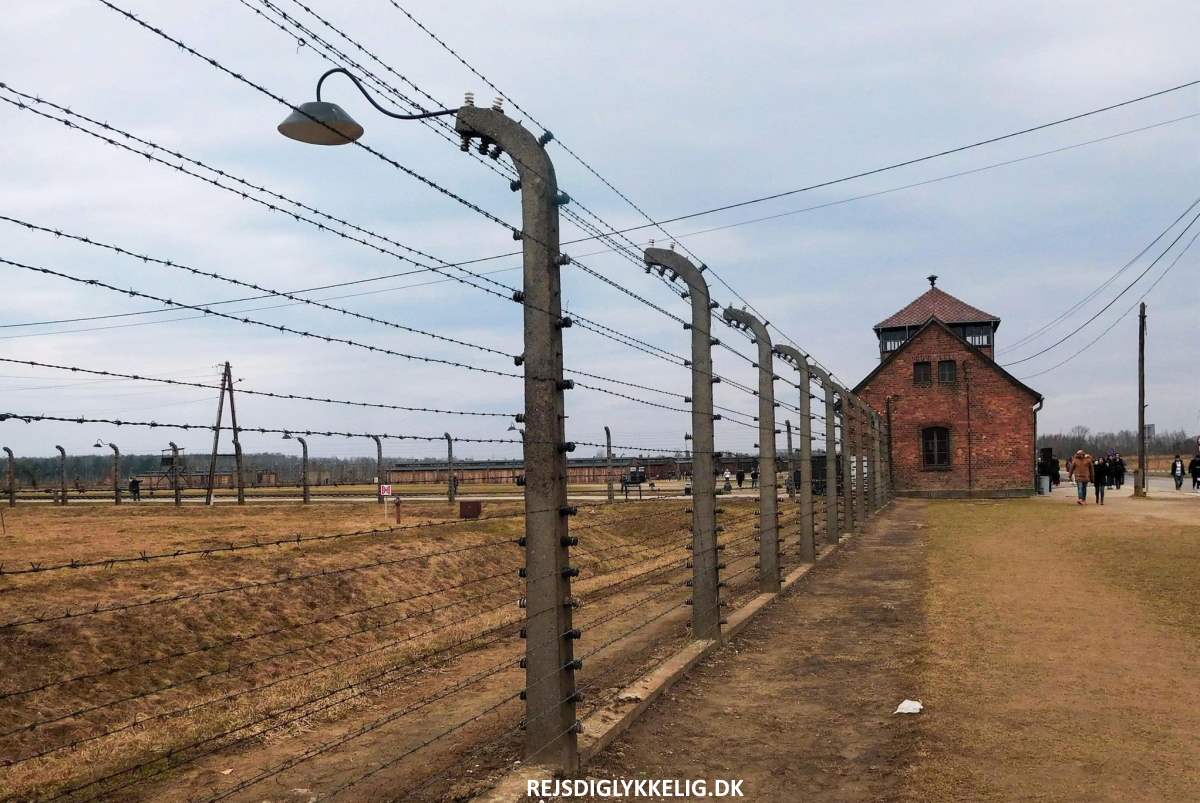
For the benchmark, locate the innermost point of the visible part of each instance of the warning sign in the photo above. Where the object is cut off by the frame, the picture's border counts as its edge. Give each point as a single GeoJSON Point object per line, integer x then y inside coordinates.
{"type": "Point", "coordinates": [385, 490]}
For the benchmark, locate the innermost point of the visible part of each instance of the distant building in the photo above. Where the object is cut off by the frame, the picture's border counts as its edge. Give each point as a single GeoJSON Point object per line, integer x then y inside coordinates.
{"type": "Point", "coordinates": [960, 424]}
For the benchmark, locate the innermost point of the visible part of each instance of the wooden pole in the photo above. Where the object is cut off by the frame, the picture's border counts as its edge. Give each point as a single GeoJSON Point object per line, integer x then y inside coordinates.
{"type": "Point", "coordinates": [237, 443]}
{"type": "Point", "coordinates": [1139, 487]}
{"type": "Point", "coordinates": [212, 463]}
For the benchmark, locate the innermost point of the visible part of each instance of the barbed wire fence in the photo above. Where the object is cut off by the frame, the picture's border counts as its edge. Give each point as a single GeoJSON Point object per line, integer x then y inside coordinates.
{"type": "Point", "coordinates": [406, 658]}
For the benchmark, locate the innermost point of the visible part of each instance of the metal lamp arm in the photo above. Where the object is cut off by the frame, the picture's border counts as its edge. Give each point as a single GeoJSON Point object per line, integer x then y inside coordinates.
{"type": "Point", "coordinates": [371, 100]}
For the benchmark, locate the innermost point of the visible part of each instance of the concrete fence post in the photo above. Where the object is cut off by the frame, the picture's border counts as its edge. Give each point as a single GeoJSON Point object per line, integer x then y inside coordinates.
{"type": "Point", "coordinates": [790, 485]}
{"type": "Point", "coordinates": [551, 729]}
{"type": "Point", "coordinates": [847, 415]}
{"type": "Point", "coordinates": [862, 438]}
{"type": "Point", "coordinates": [10, 476]}
{"type": "Point", "coordinates": [116, 472]}
{"type": "Point", "coordinates": [62, 475]}
{"type": "Point", "coordinates": [379, 478]}
{"type": "Point", "coordinates": [451, 480]}
{"type": "Point", "coordinates": [706, 613]}
{"type": "Point", "coordinates": [876, 461]}
{"type": "Point", "coordinates": [608, 464]}
{"type": "Point", "coordinates": [769, 578]}
{"type": "Point", "coordinates": [831, 513]}
{"type": "Point", "coordinates": [807, 544]}
{"type": "Point", "coordinates": [304, 478]}
{"type": "Point", "coordinates": [175, 474]}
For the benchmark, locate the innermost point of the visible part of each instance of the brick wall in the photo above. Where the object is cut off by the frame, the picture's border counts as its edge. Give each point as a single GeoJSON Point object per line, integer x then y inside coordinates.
{"type": "Point", "coordinates": [998, 456]}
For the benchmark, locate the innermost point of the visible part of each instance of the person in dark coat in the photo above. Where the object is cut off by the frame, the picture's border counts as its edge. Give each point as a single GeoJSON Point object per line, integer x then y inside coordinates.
{"type": "Point", "coordinates": [1100, 470]}
{"type": "Point", "coordinates": [741, 477]}
{"type": "Point", "coordinates": [1194, 470]}
{"type": "Point", "coordinates": [135, 489]}
{"type": "Point", "coordinates": [1177, 471]}
{"type": "Point", "coordinates": [1119, 466]}
{"type": "Point", "coordinates": [754, 478]}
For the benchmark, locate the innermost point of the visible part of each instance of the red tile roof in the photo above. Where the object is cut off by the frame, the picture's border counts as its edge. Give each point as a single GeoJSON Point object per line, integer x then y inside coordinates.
{"type": "Point", "coordinates": [935, 303]}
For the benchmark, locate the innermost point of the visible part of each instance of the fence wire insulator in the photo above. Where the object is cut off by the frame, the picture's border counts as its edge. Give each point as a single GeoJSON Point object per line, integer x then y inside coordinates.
{"type": "Point", "coordinates": [569, 446]}
{"type": "Point", "coordinates": [574, 665]}
{"type": "Point", "coordinates": [570, 540]}
{"type": "Point", "coordinates": [573, 634]}
{"type": "Point", "coordinates": [515, 185]}
{"type": "Point", "coordinates": [570, 571]}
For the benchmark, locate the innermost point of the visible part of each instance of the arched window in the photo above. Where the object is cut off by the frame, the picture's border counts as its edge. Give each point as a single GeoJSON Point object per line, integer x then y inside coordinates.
{"type": "Point", "coordinates": [935, 448]}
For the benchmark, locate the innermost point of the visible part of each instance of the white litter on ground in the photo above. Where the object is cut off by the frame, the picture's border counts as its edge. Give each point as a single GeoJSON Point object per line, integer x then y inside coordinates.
{"type": "Point", "coordinates": [909, 707]}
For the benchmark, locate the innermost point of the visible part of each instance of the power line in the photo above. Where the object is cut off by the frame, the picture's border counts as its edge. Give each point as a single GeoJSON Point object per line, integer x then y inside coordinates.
{"type": "Point", "coordinates": [247, 391]}
{"type": "Point", "coordinates": [167, 263]}
{"type": "Point", "coordinates": [1114, 300]}
{"type": "Point", "coordinates": [652, 223]}
{"type": "Point", "coordinates": [1130, 309]}
{"type": "Point", "coordinates": [1065, 314]}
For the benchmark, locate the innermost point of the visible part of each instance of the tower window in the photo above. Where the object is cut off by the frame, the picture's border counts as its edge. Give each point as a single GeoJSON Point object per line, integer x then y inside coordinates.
{"type": "Point", "coordinates": [947, 372]}
{"type": "Point", "coordinates": [935, 448]}
{"type": "Point", "coordinates": [922, 373]}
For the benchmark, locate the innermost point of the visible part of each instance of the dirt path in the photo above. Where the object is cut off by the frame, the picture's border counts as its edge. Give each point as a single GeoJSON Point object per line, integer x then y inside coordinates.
{"type": "Point", "coordinates": [1056, 650]}
{"type": "Point", "coordinates": [800, 705]}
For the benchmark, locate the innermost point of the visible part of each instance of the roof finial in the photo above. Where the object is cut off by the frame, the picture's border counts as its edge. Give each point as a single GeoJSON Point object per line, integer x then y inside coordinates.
{"type": "Point", "coordinates": [932, 279]}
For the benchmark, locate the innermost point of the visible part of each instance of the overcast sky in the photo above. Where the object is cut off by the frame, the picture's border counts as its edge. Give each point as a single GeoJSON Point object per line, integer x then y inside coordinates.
{"type": "Point", "coordinates": [683, 106]}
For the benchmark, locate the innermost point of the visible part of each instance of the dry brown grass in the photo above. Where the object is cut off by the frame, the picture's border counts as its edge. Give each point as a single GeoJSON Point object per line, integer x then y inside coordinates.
{"type": "Point", "coordinates": [351, 626]}
{"type": "Point", "coordinates": [1062, 648]}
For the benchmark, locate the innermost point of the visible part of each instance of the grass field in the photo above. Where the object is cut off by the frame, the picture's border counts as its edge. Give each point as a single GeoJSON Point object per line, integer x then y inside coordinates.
{"type": "Point", "coordinates": [341, 628]}
{"type": "Point", "coordinates": [1063, 643]}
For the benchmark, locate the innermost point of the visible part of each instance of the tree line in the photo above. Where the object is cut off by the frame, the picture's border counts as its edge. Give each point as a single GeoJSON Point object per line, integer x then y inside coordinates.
{"type": "Point", "coordinates": [1125, 442]}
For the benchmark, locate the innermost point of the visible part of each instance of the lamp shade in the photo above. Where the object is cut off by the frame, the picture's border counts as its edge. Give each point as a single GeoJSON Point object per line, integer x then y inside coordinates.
{"type": "Point", "coordinates": [320, 123]}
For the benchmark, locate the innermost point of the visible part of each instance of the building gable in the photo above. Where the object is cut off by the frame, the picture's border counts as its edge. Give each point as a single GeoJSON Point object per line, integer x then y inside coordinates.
{"type": "Point", "coordinates": [896, 360]}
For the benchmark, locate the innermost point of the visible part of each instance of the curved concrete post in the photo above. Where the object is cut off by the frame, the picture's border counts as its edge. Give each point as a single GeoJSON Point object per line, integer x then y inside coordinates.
{"type": "Point", "coordinates": [62, 474]}
{"type": "Point", "coordinates": [175, 474]}
{"type": "Point", "coordinates": [831, 472]}
{"type": "Point", "coordinates": [706, 613]}
{"type": "Point", "coordinates": [847, 439]}
{"type": "Point", "coordinates": [551, 729]}
{"type": "Point", "coordinates": [808, 545]}
{"type": "Point", "coordinates": [768, 575]}
{"type": "Point", "coordinates": [379, 478]}
{"type": "Point", "coordinates": [862, 431]}
{"type": "Point", "coordinates": [10, 478]}
{"type": "Point", "coordinates": [116, 469]}
{"type": "Point", "coordinates": [608, 463]}
{"type": "Point", "coordinates": [304, 468]}
{"type": "Point", "coordinates": [451, 483]}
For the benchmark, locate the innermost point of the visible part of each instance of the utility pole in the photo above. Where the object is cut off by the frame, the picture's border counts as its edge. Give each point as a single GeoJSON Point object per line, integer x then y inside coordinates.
{"type": "Point", "coordinates": [608, 462]}
{"type": "Point", "coordinates": [175, 474]}
{"type": "Point", "coordinates": [1140, 487]}
{"type": "Point", "coordinates": [62, 474]}
{"type": "Point", "coordinates": [11, 477]}
{"type": "Point", "coordinates": [237, 442]}
{"type": "Point", "coordinates": [212, 463]}
{"type": "Point", "coordinates": [451, 485]}
{"type": "Point", "coordinates": [551, 728]}
{"type": "Point", "coordinates": [808, 543]}
{"type": "Point", "coordinates": [706, 606]}
{"type": "Point", "coordinates": [768, 536]}
{"type": "Point", "coordinates": [378, 468]}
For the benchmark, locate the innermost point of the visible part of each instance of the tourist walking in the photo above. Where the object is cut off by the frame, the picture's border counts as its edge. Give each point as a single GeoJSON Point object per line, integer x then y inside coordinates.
{"type": "Point", "coordinates": [1119, 467]}
{"type": "Point", "coordinates": [754, 478]}
{"type": "Point", "coordinates": [1194, 470]}
{"type": "Point", "coordinates": [1177, 471]}
{"type": "Point", "coordinates": [741, 477]}
{"type": "Point", "coordinates": [1081, 472]}
{"type": "Point", "coordinates": [1100, 472]}
{"type": "Point", "coordinates": [135, 489]}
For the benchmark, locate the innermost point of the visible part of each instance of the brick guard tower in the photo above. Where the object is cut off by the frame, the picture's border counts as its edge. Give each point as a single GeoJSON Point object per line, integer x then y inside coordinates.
{"type": "Point", "coordinates": [960, 424]}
